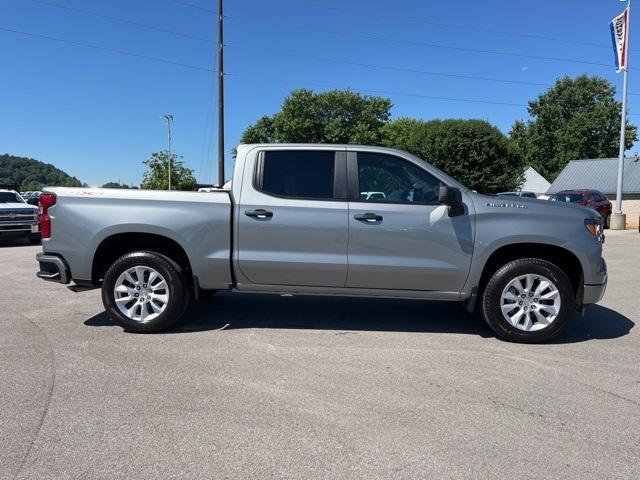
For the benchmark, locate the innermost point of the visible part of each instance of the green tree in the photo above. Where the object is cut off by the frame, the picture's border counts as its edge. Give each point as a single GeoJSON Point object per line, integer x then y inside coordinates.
{"type": "Point", "coordinates": [472, 151]}
{"type": "Point", "coordinates": [336, 116]}
{"type": "Point", "coordinates": [157, 175]}
{"type": "Point", "coordinates": [33, 174]}
{"type": "Point", "coordinates": [118, 185]}
{"type": "Point", "coordinates": [576, 118]}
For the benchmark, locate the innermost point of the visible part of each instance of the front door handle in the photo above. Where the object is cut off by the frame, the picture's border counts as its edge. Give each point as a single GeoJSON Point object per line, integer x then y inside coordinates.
{"type": "Point", "coordinates": [368, 217]}
{"type": "Point", "coordinates": [259, 213]}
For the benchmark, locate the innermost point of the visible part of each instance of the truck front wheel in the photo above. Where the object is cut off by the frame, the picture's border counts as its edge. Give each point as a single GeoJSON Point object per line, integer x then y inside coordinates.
{"type": "Point", "coordinates": [145, 292]}
{"type": "Point", "coordinates": [528, 300]}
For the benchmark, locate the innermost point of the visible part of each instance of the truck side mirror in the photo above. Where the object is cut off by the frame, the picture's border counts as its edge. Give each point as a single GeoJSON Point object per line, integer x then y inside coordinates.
{"type": "Point", "coordinates": [452, 197]}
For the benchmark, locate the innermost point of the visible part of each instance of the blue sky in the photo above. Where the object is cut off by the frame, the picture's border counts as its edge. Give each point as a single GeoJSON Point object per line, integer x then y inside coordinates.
{"type": "Point", "coordinates": [96, 114]}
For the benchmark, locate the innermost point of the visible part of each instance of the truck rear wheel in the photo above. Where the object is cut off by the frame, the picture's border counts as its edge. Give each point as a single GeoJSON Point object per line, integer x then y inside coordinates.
{"type": "Point", "coordinates": [145, 292]}
{"type": "Point", "coordinates": [528, 300]}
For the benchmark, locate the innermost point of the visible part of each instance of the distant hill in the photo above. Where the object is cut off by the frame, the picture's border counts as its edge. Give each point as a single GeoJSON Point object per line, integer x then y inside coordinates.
{"type": "Point", "coordinates": [33, 175]}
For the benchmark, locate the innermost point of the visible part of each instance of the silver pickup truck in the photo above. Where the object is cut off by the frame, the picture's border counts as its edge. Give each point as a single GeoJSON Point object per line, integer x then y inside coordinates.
{"type": "Point", "coordinates": [327, 220]}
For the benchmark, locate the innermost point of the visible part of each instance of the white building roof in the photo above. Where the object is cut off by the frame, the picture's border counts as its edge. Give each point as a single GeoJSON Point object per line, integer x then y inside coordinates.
{"type": "Point", "coordinates": [534, 182]}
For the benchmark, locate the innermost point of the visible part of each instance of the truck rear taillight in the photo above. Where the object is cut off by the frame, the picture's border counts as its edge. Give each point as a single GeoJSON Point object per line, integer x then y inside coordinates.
{"type": "Point", "coordinates": [46, 200]}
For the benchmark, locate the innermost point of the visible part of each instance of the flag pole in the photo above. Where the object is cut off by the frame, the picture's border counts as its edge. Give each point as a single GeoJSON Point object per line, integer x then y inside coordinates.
{"type": "Point", "coordinates": [620, 222]}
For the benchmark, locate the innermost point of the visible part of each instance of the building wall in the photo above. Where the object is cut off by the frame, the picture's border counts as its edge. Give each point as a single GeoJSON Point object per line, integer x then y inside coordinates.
{"type": "Point", "coordinates": [630, 206]}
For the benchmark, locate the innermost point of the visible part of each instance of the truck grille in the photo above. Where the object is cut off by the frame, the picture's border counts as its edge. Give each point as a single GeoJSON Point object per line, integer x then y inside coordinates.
{"type": "Point", "coordinates": [18, 215]}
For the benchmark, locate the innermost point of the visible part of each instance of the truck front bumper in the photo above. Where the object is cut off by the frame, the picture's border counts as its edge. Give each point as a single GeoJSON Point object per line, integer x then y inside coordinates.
{"type": "Point", "coordinates": [53, 268]}
{"type": "Point", "coordinates": [593, 292]}
{"type": "Point", "coordinates": [27, 227]}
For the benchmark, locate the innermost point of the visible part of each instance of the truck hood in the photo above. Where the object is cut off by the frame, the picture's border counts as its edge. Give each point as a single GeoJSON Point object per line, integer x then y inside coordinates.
{"type": "Point", "coordinates": [532, 207]}
{"type": "Point", "coordinates": [17, 206]}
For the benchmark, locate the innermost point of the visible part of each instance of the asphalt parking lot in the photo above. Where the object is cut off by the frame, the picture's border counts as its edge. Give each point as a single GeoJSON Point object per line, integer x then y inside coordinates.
{"type": "Point", "coordinates": [257, 386]}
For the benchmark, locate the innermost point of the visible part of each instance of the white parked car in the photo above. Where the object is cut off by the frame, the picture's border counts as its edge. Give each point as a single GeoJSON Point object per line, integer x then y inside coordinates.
{"type": "Point", "coordinates": [372, 196]}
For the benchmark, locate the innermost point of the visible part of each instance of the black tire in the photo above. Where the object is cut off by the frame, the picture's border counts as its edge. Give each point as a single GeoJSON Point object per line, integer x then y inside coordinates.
{"type": "Point", "coordinates": [178, 290]}
{"type": "Point", "coordinates": [34, 239]}
{"type": "Point", "coordinates": [607, 221]}
{"type": "Point", "coordinates": [491, 300]}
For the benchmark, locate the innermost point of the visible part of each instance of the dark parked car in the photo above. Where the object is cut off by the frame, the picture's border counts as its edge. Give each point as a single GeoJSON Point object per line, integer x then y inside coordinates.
{"type": "Point", "coordinates": [589, 198]}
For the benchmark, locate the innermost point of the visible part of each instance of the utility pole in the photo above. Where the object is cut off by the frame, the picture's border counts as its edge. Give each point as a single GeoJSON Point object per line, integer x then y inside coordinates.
{"type": "Point", "coordinates": [169, 119]}
{"type": "Point", "coordinates": [220, 97]}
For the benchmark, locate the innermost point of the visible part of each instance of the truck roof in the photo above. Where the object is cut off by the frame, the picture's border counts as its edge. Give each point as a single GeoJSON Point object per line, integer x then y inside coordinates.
{"type": "Point", "coordinates": [334, 146]}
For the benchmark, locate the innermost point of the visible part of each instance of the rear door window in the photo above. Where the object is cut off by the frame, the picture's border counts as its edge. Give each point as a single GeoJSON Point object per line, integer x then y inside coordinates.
{"type": "Point", "coordinates": [298, 174]}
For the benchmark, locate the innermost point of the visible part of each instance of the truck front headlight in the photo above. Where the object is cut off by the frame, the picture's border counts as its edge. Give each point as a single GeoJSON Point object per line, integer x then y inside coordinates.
{"type": "Point", "coordinates": [594, 227]}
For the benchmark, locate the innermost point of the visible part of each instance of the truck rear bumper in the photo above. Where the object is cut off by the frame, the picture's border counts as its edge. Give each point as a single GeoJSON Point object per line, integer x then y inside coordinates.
{"type": "Point", "coordinates": [53, 268]}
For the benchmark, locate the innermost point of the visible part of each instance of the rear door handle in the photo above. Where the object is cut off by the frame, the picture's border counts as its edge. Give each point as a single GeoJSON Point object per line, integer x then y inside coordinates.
{"type": "Point", "coordinates": [259, 213]}
{"type": "Point", "coordinates": [368, 217]}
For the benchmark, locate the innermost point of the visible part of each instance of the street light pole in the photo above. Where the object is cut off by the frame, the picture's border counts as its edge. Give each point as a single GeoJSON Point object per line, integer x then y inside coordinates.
{"type": "Point", "coordinates": [169, 119]}
{"type": "Point", "coordinates": [220, 97]}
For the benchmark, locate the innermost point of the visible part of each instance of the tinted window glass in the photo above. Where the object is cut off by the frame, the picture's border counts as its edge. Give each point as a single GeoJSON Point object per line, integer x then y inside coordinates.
{"type": "Point", "coordinates": [567, 197]}
{"type": "Point", "coordinates": [299, 174]}
{"type": "Point", "coordinates": [389, 179]}
{"type": "Point", "coordinates": [9, 197]}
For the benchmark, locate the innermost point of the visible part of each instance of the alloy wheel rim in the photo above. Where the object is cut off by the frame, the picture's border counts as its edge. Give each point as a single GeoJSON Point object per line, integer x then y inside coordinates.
{"type": "Point", "coordinates": [141, 293]}
{"type": "Point", "coordinates": [530, 302]}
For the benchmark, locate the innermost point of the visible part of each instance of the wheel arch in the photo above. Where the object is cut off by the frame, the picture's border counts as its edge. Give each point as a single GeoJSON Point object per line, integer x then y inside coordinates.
{"type": "Point", "coordinates": [564, 259]}
{"type": "Point", "coordinates": [116, 245]}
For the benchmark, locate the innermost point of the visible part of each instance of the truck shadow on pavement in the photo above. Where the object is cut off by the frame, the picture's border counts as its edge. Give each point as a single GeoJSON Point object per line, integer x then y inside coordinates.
{"type": "Point", "coordinates": [226, 311]}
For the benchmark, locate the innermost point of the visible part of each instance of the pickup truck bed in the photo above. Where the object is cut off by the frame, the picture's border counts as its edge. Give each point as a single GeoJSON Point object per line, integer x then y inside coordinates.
{"type": "Point", "coordinates": [191, 225]}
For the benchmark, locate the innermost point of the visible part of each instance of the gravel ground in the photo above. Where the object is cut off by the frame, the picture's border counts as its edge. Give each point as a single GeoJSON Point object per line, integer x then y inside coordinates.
{"type": "Point", "coordinates": [259, 386]}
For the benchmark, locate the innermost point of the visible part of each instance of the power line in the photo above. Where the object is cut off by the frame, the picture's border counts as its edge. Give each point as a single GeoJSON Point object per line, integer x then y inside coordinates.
{"type": "Point", "coordinates": [441, 46]}
{"type": "Point", "coordinates": [394, 68]}
{"type": "Point", "coordinates": [197, 7]}
{"type": "Point", "coordinates": [400, 69]}
{"type": "Point", "coordinates": [332, 32]}
{"type": "Point", "coordinates": [123, 20]}
{"type": "Point", "coordinates": [205, 69]}
{"type": "Point", "coordinates": [202, 39]}
{"type": "Point", "coordinates": [360, 13]}
{"type": "Point", "coordinates": [105, 49]}
{"type": "Point", "coordinates": [382, 92]}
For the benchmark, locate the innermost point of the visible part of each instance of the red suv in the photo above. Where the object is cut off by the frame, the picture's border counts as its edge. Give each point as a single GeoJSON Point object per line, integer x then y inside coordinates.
{"type": "Point", "coordinates": [589, 198]}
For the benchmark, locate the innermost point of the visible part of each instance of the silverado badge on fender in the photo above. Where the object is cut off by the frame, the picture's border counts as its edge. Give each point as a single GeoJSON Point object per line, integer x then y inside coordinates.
{"type": "Point", "coordinates": [506, 205]}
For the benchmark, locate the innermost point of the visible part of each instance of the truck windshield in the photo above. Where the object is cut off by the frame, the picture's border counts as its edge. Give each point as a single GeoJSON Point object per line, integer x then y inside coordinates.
{"type": "Point", "coordinates": [10, 197]}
